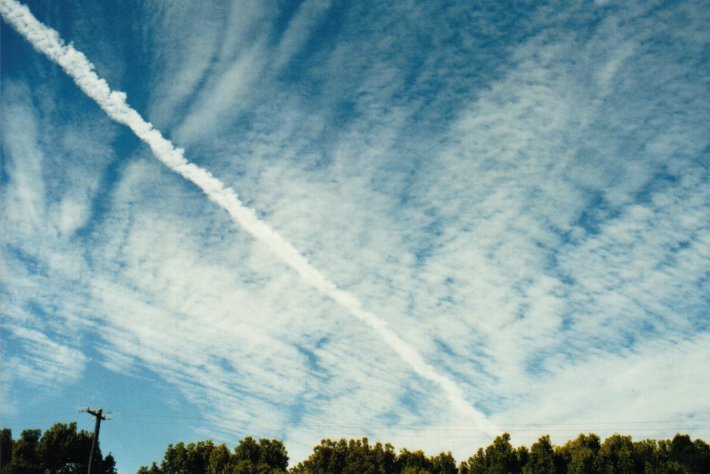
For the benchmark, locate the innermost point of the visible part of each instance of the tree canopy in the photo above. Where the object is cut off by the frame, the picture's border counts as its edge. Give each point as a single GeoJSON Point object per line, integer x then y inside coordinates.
{"type": "Point", "coordinates": [60, 449]}
{"type": "Point", "coordinates": [358, 456]}
{"type": "Point", "coordinates": [63, 449]}
{"type": "Point", "coordinates": [249, 457]}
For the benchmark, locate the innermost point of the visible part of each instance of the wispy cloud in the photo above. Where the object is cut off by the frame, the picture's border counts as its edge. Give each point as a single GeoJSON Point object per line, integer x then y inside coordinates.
{"type": "Point", "coordinates": [114, 104]}
{"type": "Point", "coordinates": [525, 204]}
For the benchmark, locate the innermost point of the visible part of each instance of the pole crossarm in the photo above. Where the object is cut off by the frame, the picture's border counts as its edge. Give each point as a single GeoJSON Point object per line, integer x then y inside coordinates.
{"type": "Point", "coordinates": [97, 413]}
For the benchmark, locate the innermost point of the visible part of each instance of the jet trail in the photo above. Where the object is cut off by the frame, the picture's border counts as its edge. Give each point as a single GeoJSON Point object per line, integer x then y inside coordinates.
{"type": "Point", "coordinates": [79, 68]}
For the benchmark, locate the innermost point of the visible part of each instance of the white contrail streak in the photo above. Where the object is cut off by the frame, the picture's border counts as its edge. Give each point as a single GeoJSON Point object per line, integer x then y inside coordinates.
{"type": "Point", "coordinates": [76, 64]}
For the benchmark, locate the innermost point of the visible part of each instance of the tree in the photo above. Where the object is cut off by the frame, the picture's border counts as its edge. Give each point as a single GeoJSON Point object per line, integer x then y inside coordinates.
{"type": "Point", "coordinates": [616, 455]}
{"type": "Point", "coordinates": [220, 457]}
{"type": "Point", "coordinates": [385, 458]}
{"type": "Point", "coordinates": [475, 464]}
{"type": "Point", "coordinates": [701, 458]}
{"type": "Point", "coordinates": [108, 464]}
{"type": "Point", "coordinates": [652, 457]}
{"type": "Point", "coordinates": [185, 459]}
{"type": "Point", "coordinates": [578, 456]}
{"type": "Point", "coordinates": [444, 463]}
{"type": "Point", "coordinates": [693, 456]}
{"type": "Point", "coordinates": [541, 459]}
{"type": "Point", "coordinates": [272, 453]}
{"type": "Point", "coordinates": [249, 457]}
{"type": "Point", "coordinates": [153, 469]}
{"type": "Point", "coordinates": [24, 454]}
{"type": "Point", "coordinates": [357, 456]}
{"type": "Point", "coordinates": [354, 456]}
{"type": "Point", "coordinates": [413, 462]}
{"type": "Point", "coordinates": [266, 456]}
{"type": "Point", "coordinates": [5, 447]}
{"type": "Point", "coordinates": [498, 458]}
{"type": "Point", "coordinates": [248, 450]}
{"type": "Point", "coordinates": [60, 449]}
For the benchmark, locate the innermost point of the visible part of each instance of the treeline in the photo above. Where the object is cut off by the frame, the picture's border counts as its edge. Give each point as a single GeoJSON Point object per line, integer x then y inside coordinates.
{"type": "Point", "coordinates": [584, 455]}
{"type": "Point", "coordinates": [63, 449]}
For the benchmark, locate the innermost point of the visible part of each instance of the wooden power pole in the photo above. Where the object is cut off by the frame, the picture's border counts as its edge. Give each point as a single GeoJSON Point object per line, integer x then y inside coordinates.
{"type": "Point", "coordinates": [99, 414]}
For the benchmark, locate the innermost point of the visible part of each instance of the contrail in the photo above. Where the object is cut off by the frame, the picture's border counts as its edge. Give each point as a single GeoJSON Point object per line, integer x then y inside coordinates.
{"type": "Point", "coordinates": [79, 68]}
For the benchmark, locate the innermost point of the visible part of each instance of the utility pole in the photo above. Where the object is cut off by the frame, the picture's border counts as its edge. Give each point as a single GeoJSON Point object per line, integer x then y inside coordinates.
{"type": "Point", "coordinates": [99, 414]}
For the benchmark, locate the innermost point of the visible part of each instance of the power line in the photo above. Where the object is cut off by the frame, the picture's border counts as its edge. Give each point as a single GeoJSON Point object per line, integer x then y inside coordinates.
{"type": "Point", "coordinates": [267, 423]}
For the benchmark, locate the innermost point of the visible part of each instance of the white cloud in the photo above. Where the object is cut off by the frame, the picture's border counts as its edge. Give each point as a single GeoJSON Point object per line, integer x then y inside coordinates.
{"type": "Point", "coordinates": [224, 97]}
{"type": "Point", "coordinates": [23, 201]}
{"type": "Point", "coordinates": [534, 224]}
{"type": "Point", "coordinates": [308, 14]}
{"type": "Point", "coordinates": [181, 60]}
{"type": "Point", "coordinates": [644, 392]}
{"type": "Point", "coordinates": [45, 362]}
{"type": "Point", "coordinates": [114, 104]}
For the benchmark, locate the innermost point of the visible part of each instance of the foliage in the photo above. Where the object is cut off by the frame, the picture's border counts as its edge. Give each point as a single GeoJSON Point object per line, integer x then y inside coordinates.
{"type": "Point", "coordinates": [358, 456]}
{"type": "Point", "coordinates": [61, 449]}
{"type": "Point", "coordinates": [585, 454]}
{"type": "Point", "coordinates": [354, 456]}
{"type": "Point", "coordinates": [249, 457]}
{"type": "Point", "coordinates": [498, 458]}
{"type": "Point", "coordinates": [578, 456]}
{"type": "Point", "coordinates": [542, 458]}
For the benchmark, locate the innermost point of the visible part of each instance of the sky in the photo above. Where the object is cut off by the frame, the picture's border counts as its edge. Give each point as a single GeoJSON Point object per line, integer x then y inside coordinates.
{"type": "Point", "coordinates": [425, 223]}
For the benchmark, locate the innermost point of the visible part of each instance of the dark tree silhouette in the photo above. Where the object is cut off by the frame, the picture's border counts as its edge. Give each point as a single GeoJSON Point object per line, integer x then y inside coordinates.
{"type": "Point", "coordinates": [64, 449]}
{"type": "Point", "coordinates": [60, 449]}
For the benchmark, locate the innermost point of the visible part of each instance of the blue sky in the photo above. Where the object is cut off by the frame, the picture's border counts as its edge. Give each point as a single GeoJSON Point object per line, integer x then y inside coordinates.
{"type": "Point", "coordinates": [510, 200]}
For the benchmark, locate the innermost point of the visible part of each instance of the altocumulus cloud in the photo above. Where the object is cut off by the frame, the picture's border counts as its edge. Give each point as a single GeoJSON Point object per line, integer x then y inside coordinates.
{"type": "Point", "coordinates": [521, 194]}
